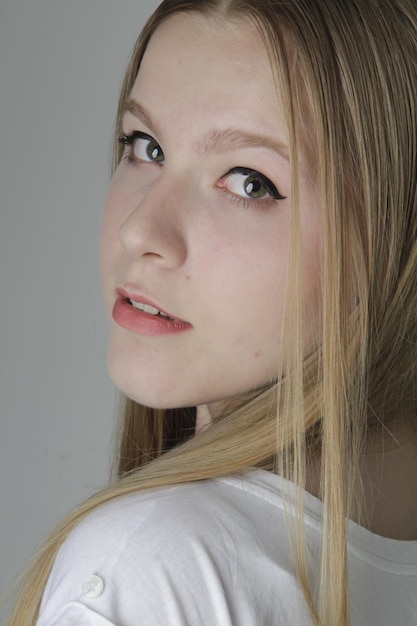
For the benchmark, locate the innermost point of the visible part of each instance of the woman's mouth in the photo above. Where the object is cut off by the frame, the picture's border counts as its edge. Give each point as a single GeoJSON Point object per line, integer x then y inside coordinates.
{"type": "Point", "coordinates": [137, 314]}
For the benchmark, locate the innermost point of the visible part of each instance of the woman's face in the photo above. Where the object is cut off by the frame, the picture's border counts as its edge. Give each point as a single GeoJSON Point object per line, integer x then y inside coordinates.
{"type": "Point", "coordinates": [197, 222]}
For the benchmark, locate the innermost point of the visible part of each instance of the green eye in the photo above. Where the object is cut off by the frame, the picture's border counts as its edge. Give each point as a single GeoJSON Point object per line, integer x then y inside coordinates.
{"type": "Point", "coordinates": [250, 184]}
{"type": "Point", "coordinates": [153, 151]}
{"type": "Point", "coordinates": [142, 147]}
{"type": "Point", "coordinates": [255, 188]}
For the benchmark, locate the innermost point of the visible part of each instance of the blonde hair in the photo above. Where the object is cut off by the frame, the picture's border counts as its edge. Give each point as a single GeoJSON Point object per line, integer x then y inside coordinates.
{"type": "Point", "coordinates": [347, 79]}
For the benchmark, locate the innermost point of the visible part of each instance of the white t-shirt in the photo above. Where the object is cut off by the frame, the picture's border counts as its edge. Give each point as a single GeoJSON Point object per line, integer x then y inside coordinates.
{"type": "Point", "coordinates": [215, 553]}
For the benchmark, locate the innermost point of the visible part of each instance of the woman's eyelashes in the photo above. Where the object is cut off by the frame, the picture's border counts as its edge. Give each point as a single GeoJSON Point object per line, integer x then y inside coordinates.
{"type": "Point", "coordinates": [243, 184]}
{"type": "Point", "coordinates": [142, 147]}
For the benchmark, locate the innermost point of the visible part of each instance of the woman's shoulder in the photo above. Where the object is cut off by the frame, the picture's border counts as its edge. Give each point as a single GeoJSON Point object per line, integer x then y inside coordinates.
{"type": "Point", "coordinates": [215, 551]}
{"type": "Point", "coordinates": [174, 518]}
{"type": "Point", "coordinates": [193, 506]}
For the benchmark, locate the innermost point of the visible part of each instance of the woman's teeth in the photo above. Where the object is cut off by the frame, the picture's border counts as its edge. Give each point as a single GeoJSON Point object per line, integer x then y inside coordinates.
{"type": "Point", "coordinates": [147, 308]}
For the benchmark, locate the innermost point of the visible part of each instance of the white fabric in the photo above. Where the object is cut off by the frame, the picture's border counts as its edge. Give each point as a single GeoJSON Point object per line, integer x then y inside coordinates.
{"type": "Point", "coordinates": [215, 553]}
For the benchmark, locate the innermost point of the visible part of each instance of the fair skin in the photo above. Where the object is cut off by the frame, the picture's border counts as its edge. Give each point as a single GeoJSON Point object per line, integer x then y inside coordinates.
{"type": "Point", "coordinates": [188, 233]}
{"type": "Point", "coordinates": [193, 236]}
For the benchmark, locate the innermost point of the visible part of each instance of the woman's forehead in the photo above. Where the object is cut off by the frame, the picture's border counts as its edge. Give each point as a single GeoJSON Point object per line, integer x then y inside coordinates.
{"type": "Point", "coordinates": [198, 70]}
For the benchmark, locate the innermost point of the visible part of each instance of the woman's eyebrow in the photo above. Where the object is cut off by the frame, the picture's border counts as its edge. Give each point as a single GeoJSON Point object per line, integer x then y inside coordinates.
{"type": "Point", "coordinates": [136, 109]}
{"type": "Point", "coordinates": [225, 140]}
{"type": "Point", "coordinates": [216, 141]}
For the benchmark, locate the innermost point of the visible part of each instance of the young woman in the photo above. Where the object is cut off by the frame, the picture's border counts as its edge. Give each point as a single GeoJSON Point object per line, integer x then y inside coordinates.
{"type": "Point", "coordinates": [259, 269]}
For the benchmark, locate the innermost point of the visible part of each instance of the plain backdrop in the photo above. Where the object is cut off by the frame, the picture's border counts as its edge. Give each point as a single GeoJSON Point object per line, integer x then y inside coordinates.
{"type": "Point", "coordinates": [61, 65]}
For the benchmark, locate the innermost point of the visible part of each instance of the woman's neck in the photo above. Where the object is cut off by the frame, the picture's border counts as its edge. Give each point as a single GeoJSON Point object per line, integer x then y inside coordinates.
{"type": "Point", "coordinates": [387, 495]}
{"type": "Point", "coordinates": [389, 480]}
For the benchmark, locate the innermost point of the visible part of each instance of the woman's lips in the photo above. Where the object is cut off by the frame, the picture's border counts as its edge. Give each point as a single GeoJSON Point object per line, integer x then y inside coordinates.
{"type": "Point", "coordinates": [142, 316]}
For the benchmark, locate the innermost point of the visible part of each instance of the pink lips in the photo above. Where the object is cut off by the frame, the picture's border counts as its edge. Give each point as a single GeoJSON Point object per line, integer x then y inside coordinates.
{"type": "Point", "coordinates": [142, 323]}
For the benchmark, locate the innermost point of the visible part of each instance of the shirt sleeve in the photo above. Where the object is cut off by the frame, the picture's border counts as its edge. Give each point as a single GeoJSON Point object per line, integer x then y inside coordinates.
{"type": "Point", "coordinates": [76, 614]}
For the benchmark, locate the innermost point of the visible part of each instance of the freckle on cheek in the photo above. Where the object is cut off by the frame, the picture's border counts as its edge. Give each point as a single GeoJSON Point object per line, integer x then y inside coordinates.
{"type": "Point", "coordinates": [257, 354]}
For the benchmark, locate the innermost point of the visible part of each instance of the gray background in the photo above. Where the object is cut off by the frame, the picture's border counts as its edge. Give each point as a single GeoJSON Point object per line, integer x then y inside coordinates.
{"type": "Point", "coordinates": [61, 65]}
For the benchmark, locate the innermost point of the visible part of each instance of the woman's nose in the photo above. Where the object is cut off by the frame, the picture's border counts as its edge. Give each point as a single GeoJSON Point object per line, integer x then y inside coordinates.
{"type": "Point", "coordinates": [155, 231]}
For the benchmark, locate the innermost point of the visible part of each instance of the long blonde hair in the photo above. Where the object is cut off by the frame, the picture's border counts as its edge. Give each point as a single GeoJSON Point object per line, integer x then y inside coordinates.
{"type": "Point", "coordinates": [347, 78]}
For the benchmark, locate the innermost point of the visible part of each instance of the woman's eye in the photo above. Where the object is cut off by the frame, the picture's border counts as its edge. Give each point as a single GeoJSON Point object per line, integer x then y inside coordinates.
{"type": "Point", "coordinates": [250, 184]}
{"type": "Point", "coordinates": [143, 147]}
